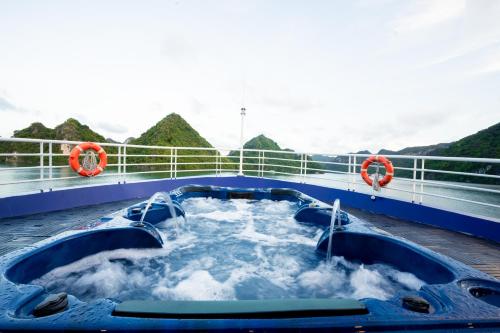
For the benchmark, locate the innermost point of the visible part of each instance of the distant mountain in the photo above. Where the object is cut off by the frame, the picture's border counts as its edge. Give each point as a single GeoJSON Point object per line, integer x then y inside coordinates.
{"type": "Point", "coordinates": [71, 130]}
{"type": "Point", "coordinates": [328, 162]}
{"type": "Point", "coordinates": [262, 142]}
{"type": "Point", "coordinates": [35, 131]}
{"type": "Point", "coordinates": [485, 143]}
{"type": "Point", "coordinates": [174, 131]}
{"type": "Point", "coordinates": [418, 150]}
{"type": "Point", "coordinates": [265, 143]}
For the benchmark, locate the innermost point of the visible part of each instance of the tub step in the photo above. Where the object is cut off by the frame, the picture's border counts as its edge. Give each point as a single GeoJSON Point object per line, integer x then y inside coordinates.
{"type": "Point", "coordinates": [240, 309]}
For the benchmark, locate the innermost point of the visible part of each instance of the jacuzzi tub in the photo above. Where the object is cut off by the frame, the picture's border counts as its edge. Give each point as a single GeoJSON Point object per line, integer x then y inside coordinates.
{"type": "Point", "coordinates": [457, 296]}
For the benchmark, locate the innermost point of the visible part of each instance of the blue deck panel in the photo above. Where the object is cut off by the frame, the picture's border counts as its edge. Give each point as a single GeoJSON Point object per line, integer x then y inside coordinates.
{"type": "Point", "coordinates": [83, 196]}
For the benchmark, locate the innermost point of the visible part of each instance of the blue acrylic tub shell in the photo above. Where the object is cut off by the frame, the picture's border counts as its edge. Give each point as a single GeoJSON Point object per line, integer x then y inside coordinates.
{"type": "Point", "coordinates": [308, 209]}
{"type": "Point", "coordinates": [369, 248]}
{"type": "Point", "coordinates": [70, 249]}
{"type": "Point", "coordinates": [156, 213]}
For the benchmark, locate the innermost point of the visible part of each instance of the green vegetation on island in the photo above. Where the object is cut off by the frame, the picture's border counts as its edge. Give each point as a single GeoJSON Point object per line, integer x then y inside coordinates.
{"type": "Point", "coordinates": [70, 130]}
{"type": "Point", "coordinates": [483, 144]}
{"type": "Point", "coordinates": [174, 131]}
{"type": "Point", "coordinates": [273, 160]}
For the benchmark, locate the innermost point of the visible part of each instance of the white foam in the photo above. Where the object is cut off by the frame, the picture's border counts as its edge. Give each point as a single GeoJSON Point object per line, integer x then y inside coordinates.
{"type": "Point", "coordinates": [409, 280]}
{"type": "Point", "coordinates": [322, 280]}
{"type": "Point", "coordinates": [222, 216]}
{"type": "Point", "coordinates": [201, 285]}
{"type": "Point", "coordinates": [368, 283]}
{"type": "Point", "coordinates": [263, 253]}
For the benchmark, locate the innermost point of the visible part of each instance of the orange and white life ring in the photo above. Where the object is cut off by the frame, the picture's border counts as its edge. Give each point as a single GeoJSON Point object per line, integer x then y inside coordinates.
{"type": "Point", "coordinates": [74, 162]}
{"type": "Point", "coordinates": [389, 170]}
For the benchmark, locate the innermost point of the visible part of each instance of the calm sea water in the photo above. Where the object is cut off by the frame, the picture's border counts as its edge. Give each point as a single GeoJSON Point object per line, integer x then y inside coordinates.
{"type": "Point", "coordinates": [332, 180]}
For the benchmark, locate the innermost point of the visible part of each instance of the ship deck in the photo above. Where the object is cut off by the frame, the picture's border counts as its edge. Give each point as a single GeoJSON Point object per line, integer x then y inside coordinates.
{"type": "Point", "coordinates": [484, 255]}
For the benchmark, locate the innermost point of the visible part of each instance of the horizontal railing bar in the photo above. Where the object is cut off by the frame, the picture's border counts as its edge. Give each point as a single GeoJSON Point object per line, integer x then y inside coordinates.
{"type": "Point", "coordinates": [445, 184]}
{"type": "Point", "coordinates": [277, 165]}
{"type": "Point", "coordinates": [459, 199]}
{"type": "Point", "coordinates": [143, 155]}
{"type": "Point", "coordinates": [195, 163]}
{"type": "Point", "coordinates": [21, 168]}
{"type": "Point", "coordinates": [205, 156]}
{"type": "Point", "coordinates": [437, 158]}
{"type": "Point", "coordinates": [276, 159]}
{"type": "Point", "coordinates": [274, 172]}
{"type": "Point", "coordinates": [463, 173]}
{"type": "Point", "coordinates": [149, 163]}
{"type": "Point", "coordinates": [19, 154]}
{"type": "Point", "coordinates": [406, 157]}
{"type": "Point", "coordinates": [330, 163]}
{"type": "Point", "coordinates": [329, 171]}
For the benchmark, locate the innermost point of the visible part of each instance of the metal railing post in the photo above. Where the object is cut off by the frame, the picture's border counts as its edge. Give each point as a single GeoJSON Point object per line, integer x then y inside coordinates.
{"type": "Point", "coordinates": [119, 161]}
{"type": "Point", "coordinates": [171, 162]}
{"type": "Point", "coordinates": [41, 160]}
{"type": "Point", "coordinates": [349, 173]}
{"type": "Point", "coordinates": [216, 163]}
{"type": "Point", "coordinates": [354, 172]}
{"type": "Point", "coordinates": [240, 173]}
{"type": "Point", "coordinates": [175, 163]}
{"type": "Point", "coordinates": [125, 163]}
{"type": "Point", "coordinates": [263, 163]}
{"type": "Point", "coordinates": [422, 179]}
{"type": "Point", "coordinates": [258, 163]}
{"type": "Point", "coordinates": [50, 160]}
{"type": "Point", "coordinates": [305, 167]}
{"type": "Point", "coordinates": [414, 180]}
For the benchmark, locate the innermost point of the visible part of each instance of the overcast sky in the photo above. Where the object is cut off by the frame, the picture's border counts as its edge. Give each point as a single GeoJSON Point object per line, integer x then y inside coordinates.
{"type": "Point", "coordinates": [316, 76]}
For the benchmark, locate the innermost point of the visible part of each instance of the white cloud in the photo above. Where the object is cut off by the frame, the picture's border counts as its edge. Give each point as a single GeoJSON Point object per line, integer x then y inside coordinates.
{"type": "Point", "coordinates": [427, 14]}
{"type": "Point", "coordinates": [323, 76]}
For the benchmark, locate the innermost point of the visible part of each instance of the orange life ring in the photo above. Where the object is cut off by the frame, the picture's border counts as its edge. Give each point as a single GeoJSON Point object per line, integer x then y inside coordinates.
{"type": "Point", "coordinates": [74, 162]}
{"type": "Point", "coordinates": [389, 170]}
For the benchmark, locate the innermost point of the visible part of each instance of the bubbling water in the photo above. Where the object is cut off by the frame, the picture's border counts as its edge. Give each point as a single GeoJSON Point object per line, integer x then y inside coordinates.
{"type": "Point", "coordinates": [228, 250]}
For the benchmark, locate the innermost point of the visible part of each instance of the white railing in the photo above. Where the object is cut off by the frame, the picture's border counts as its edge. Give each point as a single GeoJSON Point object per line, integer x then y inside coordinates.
{"type": "Point", "coordinates": [41, 165]}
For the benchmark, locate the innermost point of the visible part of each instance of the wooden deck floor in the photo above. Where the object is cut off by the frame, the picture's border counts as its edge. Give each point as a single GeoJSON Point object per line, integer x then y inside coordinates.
{"type": "Point", "coordinates": [483, 255]}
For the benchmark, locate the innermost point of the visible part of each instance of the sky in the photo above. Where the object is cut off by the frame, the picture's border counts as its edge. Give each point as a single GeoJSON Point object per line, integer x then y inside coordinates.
{"type": "Point", "coordinates": [315, 76]}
